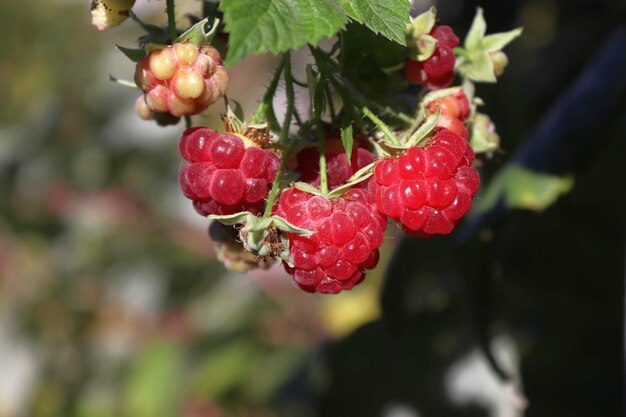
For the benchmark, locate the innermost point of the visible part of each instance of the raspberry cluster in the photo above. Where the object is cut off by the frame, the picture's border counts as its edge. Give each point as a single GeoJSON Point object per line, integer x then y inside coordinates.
{"type": "Point", "coordinates": [437, 71]}
{"type": "Point", "coordinates": [427, 189]}
{"type": "Point", "coordinates": [455, 109]}
{"type": "Point", "coordinates": [181, 79]}
{"type": "Point", "coordinates": [348, 231]}
{"type": "Point", "coordinates": [224, 176]}
{"type": "Point", "coordinates": [338, 168]}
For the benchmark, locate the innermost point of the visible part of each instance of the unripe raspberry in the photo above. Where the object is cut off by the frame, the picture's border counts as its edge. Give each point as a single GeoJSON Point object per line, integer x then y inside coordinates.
{"type": "Point", "coordinates": [427, 189]}
{"type": "Point", "coordinates": [349, 231]}
{"type": "Point", "coordinates": [338, 170]}
{"type": "Point", "coordinates": [224, 176]}
{"type": "Point", "coordinates": [182, 79]}
{"type": "Point", "coordinates": [454, 110]}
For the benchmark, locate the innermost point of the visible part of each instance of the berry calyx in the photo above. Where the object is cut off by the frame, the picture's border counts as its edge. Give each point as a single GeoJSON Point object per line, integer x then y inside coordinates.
{"type": "Point", "coordinates": [182, 79]}
{"type": "Point", "coordinates": [427, 189]}
{"type": "Point", "coordinates": [349, 231]}
{"type": "Point", "coordinates": [224, 176]}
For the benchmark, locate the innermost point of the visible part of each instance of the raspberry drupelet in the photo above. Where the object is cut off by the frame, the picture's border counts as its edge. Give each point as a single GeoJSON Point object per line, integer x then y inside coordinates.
{"type": "Point", "coordinates": [224, 176]}
{"type": "Point", "coordinates": [427, 189]}
{"type": "Point", "coordinates": [348, 232]}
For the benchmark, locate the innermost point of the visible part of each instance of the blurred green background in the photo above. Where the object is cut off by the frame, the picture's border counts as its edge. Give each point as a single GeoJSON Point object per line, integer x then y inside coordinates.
{"type": "Point", "coordinates": [112, 302]}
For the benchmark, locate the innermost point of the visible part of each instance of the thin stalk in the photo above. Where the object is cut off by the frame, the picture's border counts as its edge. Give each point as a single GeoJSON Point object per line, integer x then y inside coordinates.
{"type": "Point", "coordinates": [171, 19]}
{"type": "Point", "coordinates": [283, 135]}
{"type": "Point", "coordinates": [187, 121]}
{"type": "Point", "coordinates": [265, 107]}
{"type": "Point", "coordinates": [321, 146]}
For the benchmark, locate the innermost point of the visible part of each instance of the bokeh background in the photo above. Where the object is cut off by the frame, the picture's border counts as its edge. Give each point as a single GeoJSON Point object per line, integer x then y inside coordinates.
{"type": "Point", "coordinates": [112, 302]}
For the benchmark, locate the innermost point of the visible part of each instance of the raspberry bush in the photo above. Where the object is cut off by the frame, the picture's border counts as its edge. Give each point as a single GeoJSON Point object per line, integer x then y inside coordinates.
{"type": "Point", "coordinates": [317, 187]}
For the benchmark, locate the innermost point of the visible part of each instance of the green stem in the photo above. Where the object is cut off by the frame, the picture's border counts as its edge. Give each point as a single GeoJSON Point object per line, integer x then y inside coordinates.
{"type": "Point", "coordinates": [187, 121]}
{"type": "Point", "coordinates": [321, 145]}
{"type": "Point", "coordinates": [381, 125]}
{"type": "Point", "coordinates": [283, 135]}
{"type": "Point", "coordinates": [171, 19]}
{"type": "Point", "coordinates": [266, 108]}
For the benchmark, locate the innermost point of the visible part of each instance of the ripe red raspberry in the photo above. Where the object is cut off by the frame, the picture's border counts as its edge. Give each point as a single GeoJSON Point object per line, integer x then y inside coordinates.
{"type": "Point", "coordinates": [427, 189]}
{"type": "Point", "coordinates": [224, 176]}
{"type": "Point", "coordinates": [454, 110]}
{"type": "Point", "coordinates": [438, 70]}
{"type": "Point", "coordinates": [339, 171]}
{"type": "Point", "coordinates": [182, 79]}
{"type": "Point", "coordinates": [348, 229]}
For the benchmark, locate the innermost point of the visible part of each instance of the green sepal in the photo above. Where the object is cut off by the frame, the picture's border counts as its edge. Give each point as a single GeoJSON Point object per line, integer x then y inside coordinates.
{"type": "Point", "coordinates": [359, 176]}
{"type": "Point", "coordinates": [479, 68]}
{"type": "Point", "coordinates": [423, 23]}
{"type": "Point", "coordinates": [418, 138]}
{"type": "Point", "coordinates": [437, 94]}
{"type": "Point", "coordinates": [134, 55]}
{"type": "Point", "coordinates": [496, 41]}
{"type": "Point", "coordinates": [425, 47]}
{"type": "Point", "coordinates": [202, 33]}
{"type": "Point", "coordinates": [475, 60]}
{"type": "Point", "coordinates": [263, 236]}
{"type": "Point", "coordinates": [476, 32]}
{"type": "Point", "coordinates": [391, 138]}
{"type": "Point", "coordinates": [484, 138]}
{"type": "Point", "coordinates": [522, 188]}
{"type": "Point", "coordinates": [347, 140]}
{"type": "Point", "coordinates": [308, 188]}
{"type": "Point", "coordinates": [125, 83]}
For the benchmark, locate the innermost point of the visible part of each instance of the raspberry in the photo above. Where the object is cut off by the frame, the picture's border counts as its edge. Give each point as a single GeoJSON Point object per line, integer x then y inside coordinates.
{"type": "Point", "coordinates": [338, 169]}
{"type": "Point", "coordinates": [144, 112]}
{"type": "Point", "coordinates": [427, 189]}
{"type": "Point", "coordinates": [438, 70]}
{"type": "Point", "coordinates": [182, 79]}
{"type": "Point", "coordinates": [224, 176]}
{"type": "Point", "coordinates": [349, 230]}
{"type": "Point", "coordinates": [454, 110]}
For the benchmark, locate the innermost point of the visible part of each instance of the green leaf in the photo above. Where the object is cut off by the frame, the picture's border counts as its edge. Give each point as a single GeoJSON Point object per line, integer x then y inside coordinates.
{"type": "Point", "coordinates": [134, 55]}
{"type": "Point", "coordinates": [387, 17]}
{"type": "Point", "coordinates": [522, 188]}
{"type": "Point", "coordinates": [347, 140]}
{"type": "Point", "coordinates": [476, 31]}
{"type": "Point", "coordinates": [497, 41]}
{"type": "Point", "coordinates": [258, 26]}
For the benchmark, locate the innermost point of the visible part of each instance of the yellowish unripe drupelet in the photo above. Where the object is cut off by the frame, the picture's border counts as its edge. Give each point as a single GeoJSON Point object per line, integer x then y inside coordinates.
{"type": "Point", "coordinates": [188, 84]}
{"type": "Point", "coordinates": [163, 64]}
